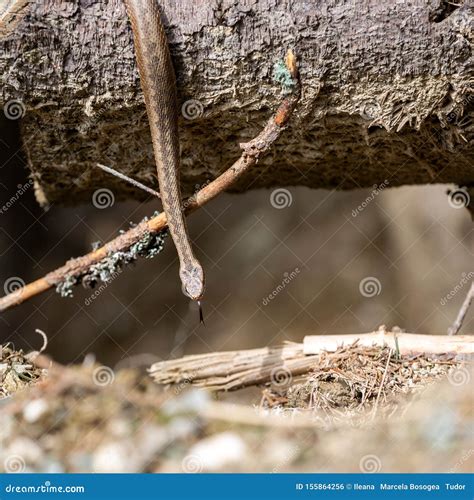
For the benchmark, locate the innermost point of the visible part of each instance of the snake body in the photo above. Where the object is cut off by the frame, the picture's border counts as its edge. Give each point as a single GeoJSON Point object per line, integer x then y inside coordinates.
{"type": "Point", "coordinates": [159, 89]}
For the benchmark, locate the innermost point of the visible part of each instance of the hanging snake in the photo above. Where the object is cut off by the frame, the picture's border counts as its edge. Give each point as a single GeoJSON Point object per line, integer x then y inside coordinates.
{"type": "Point", "coordinates": [159, 89]}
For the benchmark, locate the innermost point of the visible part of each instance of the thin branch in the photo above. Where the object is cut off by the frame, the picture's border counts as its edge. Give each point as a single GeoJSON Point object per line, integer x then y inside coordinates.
{"type": "Point", "coordinates": [125, 178]}
{"type": "Point", "coordinates": [456, 326]}
{"type": "Point", "coordinates": [252, 151]}
{"type": "Point", "coordinates": [382, 383]}
{"type": "Point", "coordinates": [34, 354]}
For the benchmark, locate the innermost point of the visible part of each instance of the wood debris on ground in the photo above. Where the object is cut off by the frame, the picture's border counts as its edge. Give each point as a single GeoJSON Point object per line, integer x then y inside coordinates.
{"type": "Point", "coordinates": [397, 412]}
{"type": "Point", "coordinates": [349, 383]}
{"type": "Point", "coordinates": [77, 420]}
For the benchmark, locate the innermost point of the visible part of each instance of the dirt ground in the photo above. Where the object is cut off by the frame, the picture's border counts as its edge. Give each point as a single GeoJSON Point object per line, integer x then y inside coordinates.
{"type": "Point", "coordinates": [367, 410]}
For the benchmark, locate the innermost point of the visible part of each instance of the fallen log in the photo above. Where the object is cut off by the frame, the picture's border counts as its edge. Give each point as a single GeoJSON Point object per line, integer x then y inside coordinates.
{"type": "Point", "coordinates": [387, 93]}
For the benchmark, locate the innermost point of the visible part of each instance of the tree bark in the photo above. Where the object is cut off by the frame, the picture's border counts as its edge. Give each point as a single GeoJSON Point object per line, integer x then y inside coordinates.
{"type": "Point", "coordinates": [387, 92]}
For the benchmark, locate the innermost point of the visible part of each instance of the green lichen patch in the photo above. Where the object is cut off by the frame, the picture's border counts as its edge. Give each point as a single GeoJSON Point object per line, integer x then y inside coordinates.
{"type": "Point", "coordinates": [282, 76]}
{"type": "Point", "coordinates": [149, 246]}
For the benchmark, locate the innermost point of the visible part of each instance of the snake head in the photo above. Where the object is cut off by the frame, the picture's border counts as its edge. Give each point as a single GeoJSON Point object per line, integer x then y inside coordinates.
{"type": "Point", "coordinates": [192, 278]}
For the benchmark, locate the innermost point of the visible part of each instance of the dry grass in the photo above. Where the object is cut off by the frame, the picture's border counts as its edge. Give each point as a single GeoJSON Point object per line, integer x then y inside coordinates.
{"type": "Point", "coordinates": [355, 382]}
{"type": "Point", "coordinates": [17, 370]}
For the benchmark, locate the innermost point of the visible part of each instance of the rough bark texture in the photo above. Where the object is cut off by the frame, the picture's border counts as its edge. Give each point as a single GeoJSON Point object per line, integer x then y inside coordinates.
{"type": "Point", "coordinates": [387, 92]}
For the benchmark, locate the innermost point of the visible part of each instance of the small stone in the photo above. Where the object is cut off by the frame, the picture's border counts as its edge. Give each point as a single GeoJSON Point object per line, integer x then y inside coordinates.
{"type": "Point", "coordinates": [181, 428]}
{"type": "Point", "coordinates": [119, 428]}
{"type": "Point", "coordinates": [6, 426]}
{"type": "Point", "coordinates": [189, 401]}
{"type": "Point", "coordinates": [218, 451]}
{"type": "Point", "coordinates": [149, 442]}
{"type": "Point", "coordinates": [52, 467]}
{"type": "Point", "coordinates": [27, 449]}
{"type": "Point", "coordinates": [80, 462]}
{"type": "Point", "coordinates": [34, 410]}
{"type": "Point", "coordinates": [113, 458]}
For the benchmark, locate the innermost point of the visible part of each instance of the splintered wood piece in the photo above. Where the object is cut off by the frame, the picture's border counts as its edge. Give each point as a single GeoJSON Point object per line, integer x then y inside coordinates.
{"type": "Point", "coordinates": [233, 369]}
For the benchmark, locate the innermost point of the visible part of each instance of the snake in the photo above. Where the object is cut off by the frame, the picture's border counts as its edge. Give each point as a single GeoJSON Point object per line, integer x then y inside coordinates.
{"type": "Point", "coordinates": [158, 82]}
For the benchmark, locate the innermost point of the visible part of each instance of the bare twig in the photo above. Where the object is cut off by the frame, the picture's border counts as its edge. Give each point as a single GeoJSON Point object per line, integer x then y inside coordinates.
{"type": "Point", "coordinates": [125, 178]}
{"type": "Point", "coordinates": [382, 383]}
{"type": "Point", "coordinates": [252, 151]}
{"type": "Point", "coordinates": [34, 354]}
{"type": "Point", "coordinates": [456, 326]}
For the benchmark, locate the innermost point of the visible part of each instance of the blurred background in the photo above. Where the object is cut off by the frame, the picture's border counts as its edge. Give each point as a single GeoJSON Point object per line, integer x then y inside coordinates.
{"type": "Point", "coordinates": [280, 265]}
